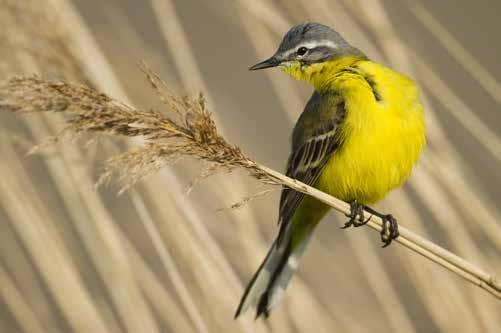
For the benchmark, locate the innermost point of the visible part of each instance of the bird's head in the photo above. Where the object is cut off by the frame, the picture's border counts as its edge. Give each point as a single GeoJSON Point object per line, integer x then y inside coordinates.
{"type": "Point", "coordinates": [306, 48]}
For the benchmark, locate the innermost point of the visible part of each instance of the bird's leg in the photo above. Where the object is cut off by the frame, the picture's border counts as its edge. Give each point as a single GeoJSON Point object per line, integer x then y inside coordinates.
{"type": "Point", "coordinates": [390, 226]}
{"type": "Point", "coordinates": [356, 215]}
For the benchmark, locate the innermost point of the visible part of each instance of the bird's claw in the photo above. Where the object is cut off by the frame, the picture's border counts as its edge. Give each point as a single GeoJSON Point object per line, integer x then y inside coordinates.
{"type": "Point", "coordinates": [357, 218]}
{"type": "Point", "coordinates": [389, 230]}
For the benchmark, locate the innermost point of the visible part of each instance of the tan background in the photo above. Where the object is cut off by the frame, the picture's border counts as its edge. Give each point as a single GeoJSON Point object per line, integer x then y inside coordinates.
{"type": "Point", "coordinates": [192, 278]}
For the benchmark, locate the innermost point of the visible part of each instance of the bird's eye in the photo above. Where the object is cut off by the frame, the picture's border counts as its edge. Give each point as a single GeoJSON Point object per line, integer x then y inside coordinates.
{"type": "Point", "coordinates": [302, 51]}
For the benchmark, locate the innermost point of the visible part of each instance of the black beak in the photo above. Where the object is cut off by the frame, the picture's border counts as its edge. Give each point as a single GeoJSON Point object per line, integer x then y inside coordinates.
{"type": "Point", "coordinates": [271, 62]}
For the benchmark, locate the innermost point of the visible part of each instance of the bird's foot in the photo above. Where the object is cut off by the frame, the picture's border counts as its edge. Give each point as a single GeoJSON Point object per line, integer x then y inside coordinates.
{"type": "Point", "coordinates": [389, 232]}
{"type": "Point", "coordinates": [357, 218]}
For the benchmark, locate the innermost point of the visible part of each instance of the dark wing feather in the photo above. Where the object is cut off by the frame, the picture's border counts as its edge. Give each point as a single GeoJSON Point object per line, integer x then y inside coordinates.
{"type": "Point", "coordinates": [315, 138]}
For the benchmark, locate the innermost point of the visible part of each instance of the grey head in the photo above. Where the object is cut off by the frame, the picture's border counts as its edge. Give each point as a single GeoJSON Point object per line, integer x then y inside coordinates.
{"type": "Point", "coordinates": [309, 43]}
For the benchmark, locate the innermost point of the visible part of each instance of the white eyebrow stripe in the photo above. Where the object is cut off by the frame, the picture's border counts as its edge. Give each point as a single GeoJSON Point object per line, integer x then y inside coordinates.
{"type": "Point", "coordinates": [312, 45]}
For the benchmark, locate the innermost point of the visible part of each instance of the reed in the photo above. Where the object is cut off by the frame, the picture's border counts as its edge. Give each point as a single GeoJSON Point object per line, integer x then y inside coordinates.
{"type": "Point", "coordinates": [186, 131]}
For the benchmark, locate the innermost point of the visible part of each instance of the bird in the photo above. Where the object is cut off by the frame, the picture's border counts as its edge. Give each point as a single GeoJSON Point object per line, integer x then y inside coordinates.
{"type": "Point", "coordinates": [359, 136]}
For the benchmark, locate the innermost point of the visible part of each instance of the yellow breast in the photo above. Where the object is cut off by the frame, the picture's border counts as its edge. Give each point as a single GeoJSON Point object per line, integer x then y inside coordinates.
{"type": "Point", "coordinates": [383, 133]}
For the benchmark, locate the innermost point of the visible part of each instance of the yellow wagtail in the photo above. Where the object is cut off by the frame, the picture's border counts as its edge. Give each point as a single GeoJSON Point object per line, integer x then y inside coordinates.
{"type": "Point", "coordinates": [358, 137]}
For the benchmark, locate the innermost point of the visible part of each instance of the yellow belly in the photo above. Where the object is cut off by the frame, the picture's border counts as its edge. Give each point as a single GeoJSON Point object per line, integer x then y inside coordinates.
{"type": "Point", "coordinates": [383, 140]}
{"type": "Point", "coordinates": [382, 137]}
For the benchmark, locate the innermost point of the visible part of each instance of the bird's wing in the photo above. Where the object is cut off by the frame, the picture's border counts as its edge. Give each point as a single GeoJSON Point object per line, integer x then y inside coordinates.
{"type": "Point", "coordinates": [315, 138]}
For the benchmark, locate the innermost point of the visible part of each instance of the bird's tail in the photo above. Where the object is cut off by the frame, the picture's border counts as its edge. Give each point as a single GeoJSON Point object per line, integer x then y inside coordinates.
{"type": "Point", "coordinates": [268, 284]}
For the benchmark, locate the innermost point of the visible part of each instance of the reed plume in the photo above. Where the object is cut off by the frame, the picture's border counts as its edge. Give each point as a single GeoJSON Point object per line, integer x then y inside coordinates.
{"type": "Point", "coordinates": [187, 128]}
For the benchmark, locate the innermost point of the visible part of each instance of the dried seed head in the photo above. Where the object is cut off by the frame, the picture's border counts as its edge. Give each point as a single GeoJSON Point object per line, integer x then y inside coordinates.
{"type": "Point", "coordinates": [184, 129]}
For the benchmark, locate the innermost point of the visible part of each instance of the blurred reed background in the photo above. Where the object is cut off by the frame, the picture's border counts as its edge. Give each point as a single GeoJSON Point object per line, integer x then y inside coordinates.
{"type": "Point", "coordinates": [78, 259]}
